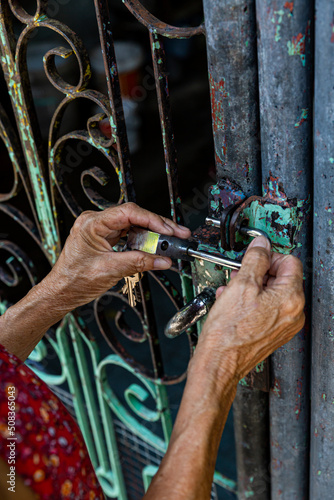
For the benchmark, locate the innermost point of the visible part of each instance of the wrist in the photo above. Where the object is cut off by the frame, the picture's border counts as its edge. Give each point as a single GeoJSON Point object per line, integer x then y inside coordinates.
{"type": "Point", "coordinates": [24, 324]}
{"type": "Point", "coordinates": [54, 290]}
{"type": "Point", "coordinates": [220, 362]}
{"type": "Point", "coordinates": [214, 372]}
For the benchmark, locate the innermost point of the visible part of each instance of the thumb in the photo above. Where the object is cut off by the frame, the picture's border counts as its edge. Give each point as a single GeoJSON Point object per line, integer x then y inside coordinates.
{"type": "Point", "coordinates": [257, 260]}
{"type": "Point", "coordinates": [129, 263]}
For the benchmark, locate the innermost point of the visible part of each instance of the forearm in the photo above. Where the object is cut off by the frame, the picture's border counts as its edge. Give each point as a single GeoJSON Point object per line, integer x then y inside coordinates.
{"type": "Point", "coordinates": [186, 471]}
{"type": "Point", "coordinates": [24, 324]}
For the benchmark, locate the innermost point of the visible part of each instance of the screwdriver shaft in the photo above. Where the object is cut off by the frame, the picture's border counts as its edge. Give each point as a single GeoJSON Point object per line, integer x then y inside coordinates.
{"type": "Point", "coordinates": [215, 259]}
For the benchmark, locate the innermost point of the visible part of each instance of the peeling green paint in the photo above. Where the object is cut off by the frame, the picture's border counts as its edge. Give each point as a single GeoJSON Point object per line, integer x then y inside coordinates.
{"type": "Point", "coordinates": [282, 224]}
{"type": "Point", "coordinates": [32, 156]}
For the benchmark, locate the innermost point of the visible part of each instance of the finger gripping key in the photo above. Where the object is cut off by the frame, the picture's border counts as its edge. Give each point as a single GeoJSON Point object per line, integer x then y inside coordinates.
{"type": "Point", "coordinates": [160, 244]}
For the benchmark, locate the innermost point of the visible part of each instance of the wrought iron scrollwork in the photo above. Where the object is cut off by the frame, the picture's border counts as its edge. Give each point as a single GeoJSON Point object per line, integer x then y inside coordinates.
{"type": "Point", "coordinates": [45, 186]}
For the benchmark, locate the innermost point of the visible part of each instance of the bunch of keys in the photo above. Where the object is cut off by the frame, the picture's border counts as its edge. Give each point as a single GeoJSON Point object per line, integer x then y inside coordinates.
{"type": "Point", "coordinates": [131, 288]}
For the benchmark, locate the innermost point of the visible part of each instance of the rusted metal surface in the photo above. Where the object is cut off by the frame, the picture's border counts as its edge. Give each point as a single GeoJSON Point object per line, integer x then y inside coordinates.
{"type": "Point", "coordinates": [117, 121]}
{"type": "Point", "coordinates": [252, 448]}
{"type": "Point", "coordinates": [285, 61]}
{"type": "Point", "coordinates": [322, 383]}
{"type": "Point", "coordinates": [157, 31]}
{"type": "Point", "coordinates": [280, 220]}
{"type": "Point", "coordinates": [160, 73]}
{"type": "Point", "coordinates": [231, 40]}
{"type": "Point", "coordinates": [154, 25]}
{"type": "Point", "coordinates": [232, 63]}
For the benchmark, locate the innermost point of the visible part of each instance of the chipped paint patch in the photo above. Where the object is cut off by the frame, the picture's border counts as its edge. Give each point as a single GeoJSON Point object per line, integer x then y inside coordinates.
{"type": "Point", "coordinates": [279, 222]}
{"type": "Point", "coordinates": [302, 118]}
{"type": "Point", "coordinates": [223, 195]}
{"type": "Point", "coordinates": [277, 20]}
{"type": "Point", "coordinates": [289, 6]}
{"type": "Point", "coordinates": [218, 92]}
{"type": "Point", "coordinates": [278, 216]}
{"type": "Point", "coordinates": [296, 47]}
{"type": "Point", "coordinates": [276, 389]}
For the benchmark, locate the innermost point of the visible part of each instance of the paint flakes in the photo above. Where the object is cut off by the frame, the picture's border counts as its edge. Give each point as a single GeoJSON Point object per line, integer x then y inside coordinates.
{"type": "Point", "coordinates": [279, 15]}
{"type": "Point", "coordinates": [296, 47]}
{"type": "Point", "coordinates": [289, 6]}
{"type": "Point", "coordinates": [276, 389]}
{"type": "Point", "coordinates": [218, 92]}
{"type": "Point", "coordinates": [302, 118]}
{"type": "Point", "coordinates": [273, 190]}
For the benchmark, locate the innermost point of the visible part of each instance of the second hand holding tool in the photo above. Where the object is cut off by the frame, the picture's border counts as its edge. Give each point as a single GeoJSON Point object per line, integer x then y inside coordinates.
{"type": "Point", "coordinates": [173, 247]}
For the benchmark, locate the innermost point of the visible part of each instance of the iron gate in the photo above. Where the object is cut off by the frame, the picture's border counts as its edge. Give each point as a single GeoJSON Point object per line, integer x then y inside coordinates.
{"type": "Point", "coordinates": [261, 72]}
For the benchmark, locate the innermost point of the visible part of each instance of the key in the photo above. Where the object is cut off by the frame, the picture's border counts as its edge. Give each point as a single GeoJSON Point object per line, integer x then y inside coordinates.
{"type": "Point", "coordinates": [130, 288]}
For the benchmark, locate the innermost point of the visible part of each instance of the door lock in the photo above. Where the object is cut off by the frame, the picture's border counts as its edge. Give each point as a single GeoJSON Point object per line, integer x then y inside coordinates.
{"type": "Point", "coordinates": [191, 313]}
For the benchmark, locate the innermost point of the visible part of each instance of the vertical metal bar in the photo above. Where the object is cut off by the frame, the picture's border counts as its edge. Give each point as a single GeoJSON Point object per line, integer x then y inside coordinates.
{"type": "Point", "coordinates": [322, 407]}
{"type": "Point", "coordinates": [161, 81]}
{"type": "Point", "coordinates": [114, 93]}
{"type": "Point", "coordinates": [285, 76]}
{"type": "Point", "coordinates": [231, 46]}
{"type": "Point", "coordinates": [253, 453]}
{"type": "Point", "coordinates": [232, 61]}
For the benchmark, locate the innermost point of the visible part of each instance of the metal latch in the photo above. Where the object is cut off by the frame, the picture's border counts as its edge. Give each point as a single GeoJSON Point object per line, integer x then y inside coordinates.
{"type": "Point", "coordinates": [234, 226]}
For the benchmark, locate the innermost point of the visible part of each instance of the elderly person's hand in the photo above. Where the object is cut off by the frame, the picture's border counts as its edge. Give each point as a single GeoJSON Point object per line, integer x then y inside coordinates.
{"type": "Point", "coordinates": [260, 309]}
{"type": "Point", "coordinates": [88, 266]}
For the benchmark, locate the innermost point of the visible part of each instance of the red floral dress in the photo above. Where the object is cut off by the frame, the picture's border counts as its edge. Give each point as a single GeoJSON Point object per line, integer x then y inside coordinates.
{"type": "Point", "coordinates": [50, 454]}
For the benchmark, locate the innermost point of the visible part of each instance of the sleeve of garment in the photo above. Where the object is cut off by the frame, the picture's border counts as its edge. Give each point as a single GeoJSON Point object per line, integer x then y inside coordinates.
{"type": "Point", "coordinates": [50, 454]}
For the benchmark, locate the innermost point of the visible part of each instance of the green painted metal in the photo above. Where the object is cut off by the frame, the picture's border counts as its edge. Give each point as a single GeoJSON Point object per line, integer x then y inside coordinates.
{"type": "Point", "coordinates": [14, 68]}
{"type": "Point", "coordinates": [84, 372]}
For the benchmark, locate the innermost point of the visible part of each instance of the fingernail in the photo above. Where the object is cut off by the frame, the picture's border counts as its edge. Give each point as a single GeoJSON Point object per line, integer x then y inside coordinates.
{"type": "Point", "coordinates": [162, 263]}
{"type": "Point", "coordinates": [219, 291]}
{"type": "Point", "coordinates": [183, 228]}
{"type": "Point", "coordinates": [169, 228]}
{"type": "Point", "coordinates": [260, 241]}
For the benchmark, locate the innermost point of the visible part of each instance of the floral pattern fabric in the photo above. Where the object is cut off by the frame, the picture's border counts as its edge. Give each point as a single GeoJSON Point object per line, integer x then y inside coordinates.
{"type": "Point", "coordinates": [50, 454]}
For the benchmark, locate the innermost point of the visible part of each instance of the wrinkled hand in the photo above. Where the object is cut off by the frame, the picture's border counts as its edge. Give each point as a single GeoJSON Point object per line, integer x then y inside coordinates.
{"type": "Point", "coordinates": [260, 309]}
{"type": "Point", "coordinates": [88, 266]}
